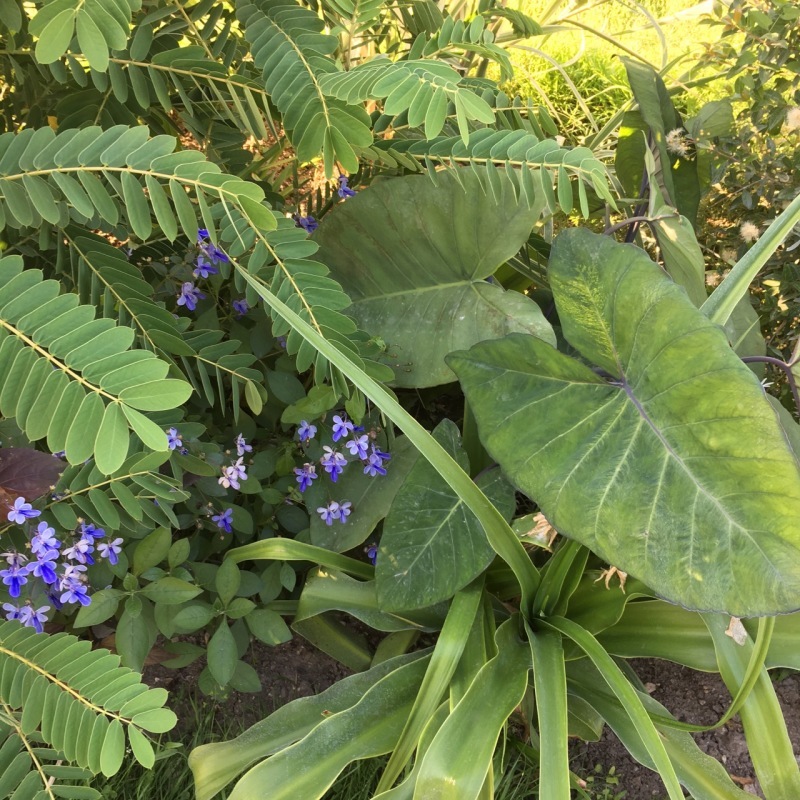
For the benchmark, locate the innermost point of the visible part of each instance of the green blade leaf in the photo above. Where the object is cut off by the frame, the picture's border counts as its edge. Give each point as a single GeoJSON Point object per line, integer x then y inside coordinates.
{"type": "Point", "coordinates": [83, 431]}
{"type": "Point", "coordinates": [141, 747]}
{"type": "Point", "coordinates": [456, 764]}
{"type": "Point", "coordinates": [764, 726]}
{"type": "Point", "coordinates": [151, 435]}
{"type": "Point", "coordinates": [170, 591]}
{"type": "Point", "coordinates": [727, 295]}
{"type": "Point", "coordinates": [113, 749]}
{"type": "Point", "coordinates": [162, 395]}
{"type": "Point", "coordinates": [551, 705]}
{"type": "Point", "coordinates": [56, 36]}
{"type": "Point", "coordinates": [658, 467]}
{"type": "Point", "coordinates": [290, 550]}
{"type": "Point", "coordinates": [627, 696]}
{"type": "Point", "coordinates": [367, 729]}
{"type": "Point", "coordinates": [216, 765]}
{"type": "Point", "coordinates": [703, 775]}
{"type": "Point", "coordinates": [91, 41]}
{"type": "Point", "coordinates": [136, 206]}
{"type": "Point", "coordinates": [449, 647]}
{"type": "Point", "coordinates": [222, 654]}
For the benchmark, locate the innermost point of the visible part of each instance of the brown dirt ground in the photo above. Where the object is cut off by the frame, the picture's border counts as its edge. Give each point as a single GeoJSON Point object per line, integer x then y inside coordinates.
{"type": "Point", "coordinates": [296, 669]}
{"type": "Point", "coordinates": [288, 671]}
{"type": "Point", "coordinates": [697, 697]}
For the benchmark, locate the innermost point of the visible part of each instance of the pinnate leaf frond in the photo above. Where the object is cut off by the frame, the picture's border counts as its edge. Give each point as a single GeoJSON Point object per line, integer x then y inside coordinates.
{"type": "Point", "coordinates": [291, 51]}
{"type": "Point", "coordinates": [540, 169]}
{"type": "Point", "coordinates": [72, 378]}
{"type": "Point", "coordinates": [92, 176]}
{"type": "Point", "coordinates": [79, 701]}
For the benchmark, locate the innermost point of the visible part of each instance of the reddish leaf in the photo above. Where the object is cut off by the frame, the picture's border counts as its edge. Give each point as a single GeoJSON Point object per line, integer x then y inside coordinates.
{"type": "Point", "coordinates": [27, 473]}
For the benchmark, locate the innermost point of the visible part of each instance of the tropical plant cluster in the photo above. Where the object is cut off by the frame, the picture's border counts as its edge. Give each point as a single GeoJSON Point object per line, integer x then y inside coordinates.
{"type": "Point", "coordinates": [239, 241]}
{"type": "Point", "coordinates": [756, 157]}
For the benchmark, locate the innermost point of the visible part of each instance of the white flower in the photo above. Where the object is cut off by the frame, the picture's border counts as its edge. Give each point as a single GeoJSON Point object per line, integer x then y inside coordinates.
{"type": "Point", "coordinates": [677, 144]}
{"type": "Point", "coordinates": [749, 232]}
{"type": "Point", "coordinates": [793, 118]}
{"type": "Point", "coordinates": [233, 474]}
{"type": "Point", "coordinates": [229, 478]}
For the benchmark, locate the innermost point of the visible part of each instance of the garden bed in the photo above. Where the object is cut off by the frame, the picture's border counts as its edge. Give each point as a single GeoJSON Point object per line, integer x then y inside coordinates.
{"type": "Point", "coordinates": [296, 669]}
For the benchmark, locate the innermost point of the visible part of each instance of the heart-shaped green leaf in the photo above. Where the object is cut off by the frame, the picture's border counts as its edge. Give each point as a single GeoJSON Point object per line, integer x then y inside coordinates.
{"type": "Point", "coordinates": [432, 544]}
{"type": "Point", "coordinates": [414, 257]}
{"type": "Point", "coordinates": [668, 460]}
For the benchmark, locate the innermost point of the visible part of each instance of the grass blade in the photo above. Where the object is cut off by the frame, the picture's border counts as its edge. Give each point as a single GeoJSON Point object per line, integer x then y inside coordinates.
{"type": "Point", "coordinates": [449, 647]}
{"type": "Point", "coordinates": [623, 689]}
{"type": "Point", "coordinates": [550, 683]}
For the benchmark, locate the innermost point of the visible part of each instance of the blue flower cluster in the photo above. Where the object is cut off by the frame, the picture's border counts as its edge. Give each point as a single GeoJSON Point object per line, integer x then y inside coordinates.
{"type": "Point", "coordinates": [51, 569]}
{"type": "Point", "coordinates": [190, 295]}
{"type": "Point", "coordinates": [308, 224]}
{"type": "Point", "coordinates": [344, 191]}
{"type": "Point", "coordinates": [231, 475]}
{"type": "Point", "coordinates": [174, 441]}
{"type": "Point", "coordinates": [224, 520]}
{"type": "Point", "coordinates": [241, 307]}
{"type": "Point", "coordinates": [333, 461]}
{"type": "Point", "coordinates": [209, 257]}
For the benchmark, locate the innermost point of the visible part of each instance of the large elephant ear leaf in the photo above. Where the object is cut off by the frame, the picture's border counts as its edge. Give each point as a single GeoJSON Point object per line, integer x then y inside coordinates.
{"type": "Point", "coordinates": [414, 256]}
{"type": "Point", "coordinates": [668, 460]}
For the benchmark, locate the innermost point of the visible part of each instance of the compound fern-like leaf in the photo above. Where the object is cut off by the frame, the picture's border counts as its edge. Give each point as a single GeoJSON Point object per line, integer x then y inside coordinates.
{"type": "Point", "coordinates": [288, 46]}
{"type": "Point", "coordinates": [79, 701]}
{"type": "Point", "coordinates": [100, 27]}
{"type": "Point", "coordinates": [72, 378]}
{"type": "Point", "coordinates": [93, 176]}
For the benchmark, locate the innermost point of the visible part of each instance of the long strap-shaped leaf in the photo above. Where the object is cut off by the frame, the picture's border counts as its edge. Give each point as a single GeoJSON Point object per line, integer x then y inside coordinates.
{"type": "Point", "coordinates": [405, 789]}
{"type": "Point", "coordinates": [449, 647]}
{"type": "Point", "coordinates": [502, 539]}
{"type": "Point", "coordinates": [290, 550]}
{"type": "Point", "coordinates": [460, 757]}
{"type": "Point", "coordinates": [623, 689]}
{"type": "Point", "coordinates": [366, 729]}
{"type": "Point", "coordinates": [762, 719]}
{"type": "Point", "coordinates": [750, 678]}
{"type": "Point", "coordinates": [705, 777]}
{"type": "Point", "coordinates": [216, 765]}
{"type": "Point", "coordinates": [655, 629]}
{"type": "Point", "coordinates": [550, 683]}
